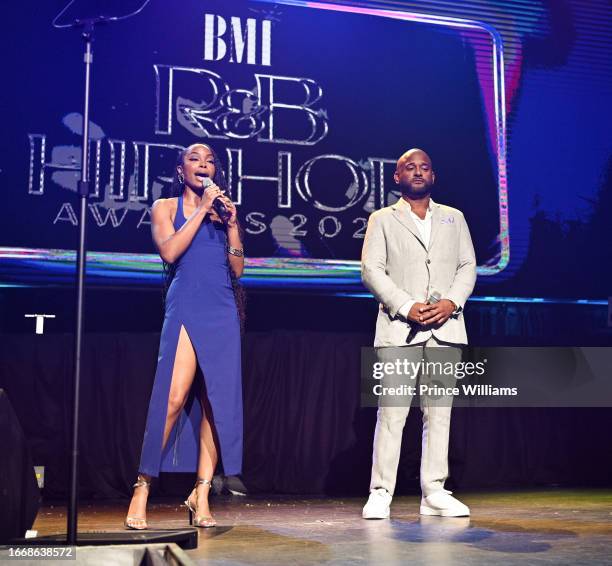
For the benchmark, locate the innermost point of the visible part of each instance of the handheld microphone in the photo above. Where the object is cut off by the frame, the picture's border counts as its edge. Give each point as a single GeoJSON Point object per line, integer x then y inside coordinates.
{"type": "Point", "coordinates": [434, 297]}
{"type": "Point", "coordinates": [217, 204]}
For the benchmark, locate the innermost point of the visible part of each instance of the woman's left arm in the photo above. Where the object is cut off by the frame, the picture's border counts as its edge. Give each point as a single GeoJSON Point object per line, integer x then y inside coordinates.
{"type": "Point", "coordinates": [235, 251]}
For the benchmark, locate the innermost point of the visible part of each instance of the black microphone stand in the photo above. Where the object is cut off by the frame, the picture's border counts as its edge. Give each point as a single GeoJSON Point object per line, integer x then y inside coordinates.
{"type": "Point", "coordinates": [83, 192]}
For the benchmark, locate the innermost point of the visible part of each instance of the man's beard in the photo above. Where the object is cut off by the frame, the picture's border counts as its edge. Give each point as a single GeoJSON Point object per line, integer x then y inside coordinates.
{"type": "Point", "coordinates": [418, 190]}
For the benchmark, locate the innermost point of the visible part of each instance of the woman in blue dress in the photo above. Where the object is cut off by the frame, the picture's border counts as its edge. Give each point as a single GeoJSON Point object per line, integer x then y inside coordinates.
{"type": "Point", "coordinates": [193, 421]}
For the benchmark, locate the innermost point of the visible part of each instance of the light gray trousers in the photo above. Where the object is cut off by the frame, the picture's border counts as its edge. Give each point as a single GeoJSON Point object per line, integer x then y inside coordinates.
{"type": "Point", "coordinates": [436, 421]}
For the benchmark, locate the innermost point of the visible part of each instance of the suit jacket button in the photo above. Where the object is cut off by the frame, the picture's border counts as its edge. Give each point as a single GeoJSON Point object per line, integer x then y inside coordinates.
{"type": "Point", "coordinates": [428, 260]}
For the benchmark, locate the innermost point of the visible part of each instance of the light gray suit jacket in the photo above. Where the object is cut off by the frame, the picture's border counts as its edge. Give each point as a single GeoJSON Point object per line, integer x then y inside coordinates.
{"type": "Point", "coordinates": [397, 267]}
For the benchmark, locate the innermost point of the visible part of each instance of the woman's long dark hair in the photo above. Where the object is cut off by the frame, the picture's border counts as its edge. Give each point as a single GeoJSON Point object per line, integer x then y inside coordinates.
{"type": "Point", "coordinates": [176, 190]}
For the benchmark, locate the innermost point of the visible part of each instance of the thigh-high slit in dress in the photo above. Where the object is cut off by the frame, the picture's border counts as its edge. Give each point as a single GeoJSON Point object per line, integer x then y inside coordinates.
{"type": "Point", "coordinates": [201, 299]}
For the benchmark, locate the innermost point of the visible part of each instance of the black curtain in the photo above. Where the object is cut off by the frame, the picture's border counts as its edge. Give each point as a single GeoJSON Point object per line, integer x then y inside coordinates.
{"type": "Point", "coordinates": [305, 431]}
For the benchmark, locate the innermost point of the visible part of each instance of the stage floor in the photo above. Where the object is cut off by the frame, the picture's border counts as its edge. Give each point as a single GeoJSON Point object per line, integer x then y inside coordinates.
{"type": "Point", "coordinates": [506, 528]}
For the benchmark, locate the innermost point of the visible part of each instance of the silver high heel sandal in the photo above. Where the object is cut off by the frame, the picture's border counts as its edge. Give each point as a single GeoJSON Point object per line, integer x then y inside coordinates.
{"type": "Point", "coordinates": [195, 519]}
{"type": "Point", "coordinates": [138, 523]}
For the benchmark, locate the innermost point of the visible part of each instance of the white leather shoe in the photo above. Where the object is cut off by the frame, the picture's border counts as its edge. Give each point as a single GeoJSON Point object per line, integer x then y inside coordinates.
{"type": "Point", "coordinates": [443, 504]}
{"type": "Point", "coordinates": [378, 505]}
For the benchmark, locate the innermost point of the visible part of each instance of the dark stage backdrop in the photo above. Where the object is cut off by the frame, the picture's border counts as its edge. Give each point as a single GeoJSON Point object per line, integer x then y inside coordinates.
{"type": "Point", "coordinates": [304, 111]}
{"type": "Point", "coordinates": [308, 109]}
{"type": "Point", "coordinates": [304, 429]}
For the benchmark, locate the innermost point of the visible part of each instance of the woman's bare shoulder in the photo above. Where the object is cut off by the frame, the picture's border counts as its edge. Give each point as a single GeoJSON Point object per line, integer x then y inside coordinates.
{"type": "Point", "coordinates": [164, 206]}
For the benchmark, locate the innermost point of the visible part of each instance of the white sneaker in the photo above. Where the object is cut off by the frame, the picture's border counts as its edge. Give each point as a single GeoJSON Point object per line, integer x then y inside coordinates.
{"type": "Point", "coordinates": [443, 504]}
{"type": "Point", "coordinates": [378, 504]}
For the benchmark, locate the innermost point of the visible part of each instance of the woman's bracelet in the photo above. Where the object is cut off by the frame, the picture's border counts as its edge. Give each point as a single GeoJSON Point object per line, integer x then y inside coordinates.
{"type": "Point", "coordinates": [238, 252]}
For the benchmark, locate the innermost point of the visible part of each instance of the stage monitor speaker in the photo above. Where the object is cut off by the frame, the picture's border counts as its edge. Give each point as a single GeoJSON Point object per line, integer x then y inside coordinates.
{"type": "Point", "coordinates": [19, 493]}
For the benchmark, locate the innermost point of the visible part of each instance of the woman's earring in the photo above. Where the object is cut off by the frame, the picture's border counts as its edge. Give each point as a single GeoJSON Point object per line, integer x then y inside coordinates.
{"type": "Point", "coordinates": [181, 178]}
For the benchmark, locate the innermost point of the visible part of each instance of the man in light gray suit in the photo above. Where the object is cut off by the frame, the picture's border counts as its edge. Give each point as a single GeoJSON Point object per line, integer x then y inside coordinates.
{"type": "Point", "coordinates": [418, 261]}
